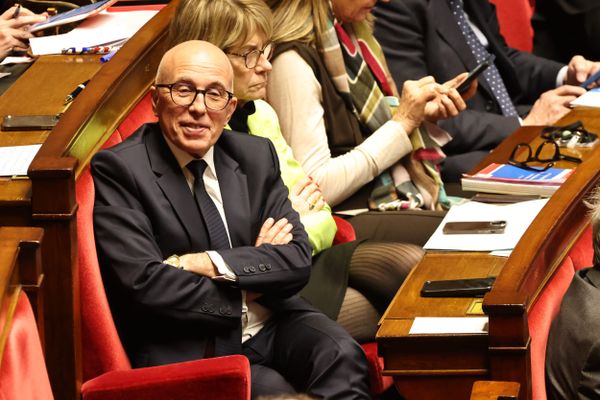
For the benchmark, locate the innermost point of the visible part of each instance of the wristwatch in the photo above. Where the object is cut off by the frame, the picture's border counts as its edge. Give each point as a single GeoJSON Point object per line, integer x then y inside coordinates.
{"type": "Point", "coordinates": [174, 261]}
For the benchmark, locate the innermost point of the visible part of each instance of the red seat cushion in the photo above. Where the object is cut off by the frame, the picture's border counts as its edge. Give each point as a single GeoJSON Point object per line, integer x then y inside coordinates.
{"type": "Point", "coordinates": [23, 373]}
{"type": "Point", "coordinates": [379, 383]}
{"type": "Point", "coordinates": [514, 17]}
{"type": "Point", "coordinates": [547, 306]}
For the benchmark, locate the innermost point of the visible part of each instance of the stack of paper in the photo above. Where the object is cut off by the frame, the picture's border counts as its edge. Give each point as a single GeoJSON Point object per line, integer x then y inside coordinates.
{"type": "Point", "coordinates": [15, 160]}
{"type": "Point", "coordinates": [100, 30]}
{"type": "Point", "coordinates": [518, 217]}
{"type": "Point", "coordinates": [591, 98]}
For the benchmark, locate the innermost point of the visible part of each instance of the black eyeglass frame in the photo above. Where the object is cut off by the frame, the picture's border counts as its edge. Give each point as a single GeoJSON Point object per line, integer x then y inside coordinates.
{"type": "Point", "coordinates": [256, 51]}
{"type": "Point", "coordinates": [558, 156]}
{"type": "Point", "coordinates": [196, 91]}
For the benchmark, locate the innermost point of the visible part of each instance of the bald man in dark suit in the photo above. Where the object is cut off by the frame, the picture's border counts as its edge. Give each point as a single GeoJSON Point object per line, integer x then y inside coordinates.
{"type": "Point", "coordinates": [193, 261]}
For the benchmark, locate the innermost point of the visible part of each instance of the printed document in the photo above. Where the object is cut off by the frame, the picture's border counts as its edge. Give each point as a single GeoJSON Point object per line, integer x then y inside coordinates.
{"type": "Point", "coordinates": [100, 30]}
{"type": "Point", "coordinates": [15, 160]}
{"type": "Point", "coordinates": [518, 217]}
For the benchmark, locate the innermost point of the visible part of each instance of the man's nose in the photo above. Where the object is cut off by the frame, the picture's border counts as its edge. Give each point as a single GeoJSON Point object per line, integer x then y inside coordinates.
{"type": "Point", "coordinates": [198, 105]}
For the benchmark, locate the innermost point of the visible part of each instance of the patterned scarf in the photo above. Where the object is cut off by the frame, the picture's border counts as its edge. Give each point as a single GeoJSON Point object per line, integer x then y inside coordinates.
{"type": "Point", "coordinates": [361, 77]}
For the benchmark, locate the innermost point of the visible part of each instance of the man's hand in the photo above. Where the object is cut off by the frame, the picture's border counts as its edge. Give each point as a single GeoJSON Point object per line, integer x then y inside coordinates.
{"type": "Point", "coordinates": [274, 232]}
{"type": "Point", "coordinates": [14, 32]}
{"type": "Point", "coordinates": [552, 105]}
{"type": "Point", "coordinates": [306, 197]}
{"type": "Point", "coordinates": [579, 69]}
{"type": "Point", "coordinates": [199, 263]}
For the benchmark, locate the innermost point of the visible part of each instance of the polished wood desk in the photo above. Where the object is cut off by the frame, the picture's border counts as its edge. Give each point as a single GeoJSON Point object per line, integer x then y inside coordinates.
{"type": "Point", "coordinates": [46, 198]}
{"type": "Point", "coordinates": [445, 365]}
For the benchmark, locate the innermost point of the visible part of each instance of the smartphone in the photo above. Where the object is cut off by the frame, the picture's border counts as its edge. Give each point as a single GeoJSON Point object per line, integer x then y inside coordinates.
{"type": "Point", "coordinates": [475, 287]}
{"type": "Point", "coordinates": [474, 74]}
{"type": "Point", "coordinates": [472, 227]}
{"type": "Point", "coordinates": [29, 122]}
{"type": "Point", "coordinates": [593, 78]}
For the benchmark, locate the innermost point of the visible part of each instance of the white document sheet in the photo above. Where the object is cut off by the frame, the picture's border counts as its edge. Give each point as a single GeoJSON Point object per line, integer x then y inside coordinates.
{"type": "Point", "coordinates": [14, 160]}
{"type": "Point", "coordinates": [591, 98]}
{"type": "Point", "coordinates": [441, 325]}
{"type": "Point", "coordinates": [518, 217]}
{"type": "Point", "coordinates": [102, 29]}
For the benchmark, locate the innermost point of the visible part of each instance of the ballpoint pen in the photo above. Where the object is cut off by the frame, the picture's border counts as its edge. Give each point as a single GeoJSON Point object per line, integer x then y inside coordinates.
{"type": "Point", "coordinates": [71, 96]}
{"type": "Point", "coordinates": [17, 11]}
{"type": "Point", "coordinates": [107, 57]}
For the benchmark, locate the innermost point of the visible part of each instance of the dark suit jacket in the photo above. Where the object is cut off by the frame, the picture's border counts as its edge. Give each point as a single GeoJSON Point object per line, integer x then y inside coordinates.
{"type": "Point", "coordinates": [564, 28]}
{"type": "Point", "coordinates": [421, 37]}
{"type": "Point", "coordinates": [144, 212]}
{"type": "Point", "coordinates": [573, 352]}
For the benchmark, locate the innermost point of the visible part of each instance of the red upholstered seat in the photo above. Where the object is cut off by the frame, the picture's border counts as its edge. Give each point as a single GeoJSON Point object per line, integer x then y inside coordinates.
{"type": "Point", "coordinates": [514, 17]}
{"type": "Point", "coordinates": [23, 373]}
{"type": "Point", "coordinates": [547, 306]}
{"type": "Point", "coordinates": [345, 231]}
{"type": "Point", "coordinates": [95, 361]}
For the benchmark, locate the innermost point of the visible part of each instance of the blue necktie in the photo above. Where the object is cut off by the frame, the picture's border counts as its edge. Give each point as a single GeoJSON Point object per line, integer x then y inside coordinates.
{"type": "Point", "coordinates": [210, 214]}
{"type": "Point", "coordinates": [492, 75]}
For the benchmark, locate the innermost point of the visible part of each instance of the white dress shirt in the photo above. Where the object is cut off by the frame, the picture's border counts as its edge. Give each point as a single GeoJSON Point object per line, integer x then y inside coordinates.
{"type": "Point", "coordinates": [254, 315]}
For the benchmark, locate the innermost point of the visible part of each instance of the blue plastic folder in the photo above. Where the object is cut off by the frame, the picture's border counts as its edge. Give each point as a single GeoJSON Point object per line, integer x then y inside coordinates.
{"type": "Point", "coordinates": [506, 172]}
{"type": "Point", "coordinates": [76, 14]}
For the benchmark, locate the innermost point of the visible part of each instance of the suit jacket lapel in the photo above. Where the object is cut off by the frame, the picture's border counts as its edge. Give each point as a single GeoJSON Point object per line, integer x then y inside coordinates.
{"type": "Point", "coordinates": [450, 33]}
{"type": "Point", "coordinates": [171, 181]}
{"type": "Point", "coordinates": [234, 192]}
{"type": "Point", "coordinates": [593, 276]}
{"type": "Point", "coordinates": [503, 63]}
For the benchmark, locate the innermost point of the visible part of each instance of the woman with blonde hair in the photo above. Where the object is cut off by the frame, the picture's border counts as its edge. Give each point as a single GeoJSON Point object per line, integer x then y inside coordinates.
{"type": "Point", "coordinates": [341, 113]}
{"type": "Point", "coordinates": [353, 282]}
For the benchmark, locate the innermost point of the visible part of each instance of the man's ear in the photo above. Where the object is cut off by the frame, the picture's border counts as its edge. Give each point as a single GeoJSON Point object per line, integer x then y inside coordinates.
{"type": "Point", "coordinates": [154, 98]}
{"type": "Point", "coordinates": [231, 107]}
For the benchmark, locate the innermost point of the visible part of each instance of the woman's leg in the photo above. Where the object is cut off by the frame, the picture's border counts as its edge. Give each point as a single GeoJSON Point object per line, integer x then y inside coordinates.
{"type": "Point", "coordinates": [377, 269]}
{"type": "Point", "coordinates": [358, 316]}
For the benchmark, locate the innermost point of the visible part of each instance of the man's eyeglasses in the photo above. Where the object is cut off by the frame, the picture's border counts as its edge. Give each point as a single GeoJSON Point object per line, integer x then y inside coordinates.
{"type": "Point", "coordinates": [571, 135]}
{"type": "Point", "coordinates": [184, 94]}
{"type": "Point", "coordinates": [251, 58]}
{"type": "Point", "coordinates": [522, 155]}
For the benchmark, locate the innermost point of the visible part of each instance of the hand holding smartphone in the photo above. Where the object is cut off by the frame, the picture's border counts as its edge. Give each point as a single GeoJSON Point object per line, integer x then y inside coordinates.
{"type": "Point", "coordinates": [474, 74]}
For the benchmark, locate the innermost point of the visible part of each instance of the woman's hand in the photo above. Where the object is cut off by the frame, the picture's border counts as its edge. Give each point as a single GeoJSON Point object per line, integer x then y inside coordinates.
{"type": "Point", "coordinates": [274, 232]}
{"type": "Point", "coordinates": [426, 99]}
{"type": "Point", "coordinates": [415, 95]}
{"type": "Point", "coordinates": [449, 103]}
{"type": "Point", "coordinates": [306, 197]}
{"type": "Point", "coordinates": [14, 34]}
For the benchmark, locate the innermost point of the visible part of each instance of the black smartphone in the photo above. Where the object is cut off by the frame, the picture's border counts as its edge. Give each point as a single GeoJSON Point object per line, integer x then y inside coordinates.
{"type": "Point", "coordinates": [473, 227]}
{"type": "Point", "coordinates": [475, 287]}
{"type": "Point", "coordinates": [474, 74]}
{"type": "Point", "coordinates": [29, 122]}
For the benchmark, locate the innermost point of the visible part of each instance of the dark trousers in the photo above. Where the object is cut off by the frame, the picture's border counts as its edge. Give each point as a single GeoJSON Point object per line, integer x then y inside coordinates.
{"type": "Point", "coordinates": [306, 352]}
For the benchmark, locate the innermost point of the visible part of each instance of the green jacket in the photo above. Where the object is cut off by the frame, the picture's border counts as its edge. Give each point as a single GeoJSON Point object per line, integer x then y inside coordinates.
{"type": "Point", "coordinates": [320, 226]}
